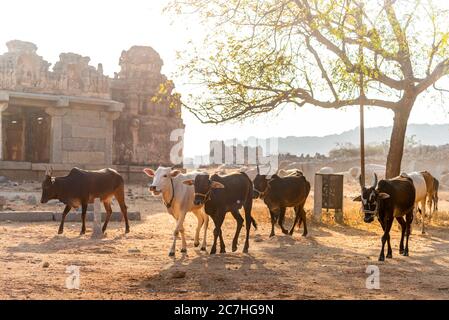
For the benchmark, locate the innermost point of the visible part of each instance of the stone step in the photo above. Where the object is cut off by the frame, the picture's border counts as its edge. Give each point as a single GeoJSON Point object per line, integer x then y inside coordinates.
{"type": "Point", "coordinates": [41, 216]}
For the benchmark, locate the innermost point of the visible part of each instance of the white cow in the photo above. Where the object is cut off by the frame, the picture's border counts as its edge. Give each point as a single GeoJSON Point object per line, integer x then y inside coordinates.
{"type": "Point", "coordinates": [178, 198]}
{"type": "Point", "coordinates": [421, 193]}
{"type": "Point", "coordinates": [326, 170]}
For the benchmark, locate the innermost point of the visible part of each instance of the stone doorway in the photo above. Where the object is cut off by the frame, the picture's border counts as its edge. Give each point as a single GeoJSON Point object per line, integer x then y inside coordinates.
{"type": "Point", "coordinates": [26, 135]}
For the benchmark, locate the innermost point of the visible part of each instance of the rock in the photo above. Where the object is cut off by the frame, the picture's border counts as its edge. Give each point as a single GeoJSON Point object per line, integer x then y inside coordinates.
{"type": "Point", "coordinates": [178, 274]}
{"type": "Point", "coordinates": [32, 200]}
{"type": "Point", "coordinates": [3, 179]}
{"type": "Point", "coordinates": [133, 251]}
{"type": "Point", "coordinates": [45, 265]}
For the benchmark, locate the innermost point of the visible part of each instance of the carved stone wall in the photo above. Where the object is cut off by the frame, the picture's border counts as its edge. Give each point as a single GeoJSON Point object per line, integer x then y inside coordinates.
{"type": "Point", "coordinates": [22, 69]}
{"type": "Point", "coordinates": [142, 133]}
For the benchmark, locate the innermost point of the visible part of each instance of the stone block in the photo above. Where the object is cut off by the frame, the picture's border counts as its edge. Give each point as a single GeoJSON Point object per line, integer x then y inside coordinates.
{"type": "Point", "coordinates": [83, 157]}
{"type": "Point", "coordinates": [88, 132]}
{"type": "Point", "coordinates": [75, 216]}
{"type": "Point", "coordinates": [83, 144]}
{"type": "Point", "coordinates": [21, 216]}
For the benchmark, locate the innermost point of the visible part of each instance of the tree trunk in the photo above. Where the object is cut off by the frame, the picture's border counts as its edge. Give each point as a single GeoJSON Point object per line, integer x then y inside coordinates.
{"type": "Point", "coordinates": [397, 140]}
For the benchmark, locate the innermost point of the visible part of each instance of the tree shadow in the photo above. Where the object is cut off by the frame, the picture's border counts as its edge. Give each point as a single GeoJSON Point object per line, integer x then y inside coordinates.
{"type": "Point", "coordinates": [215, 275]}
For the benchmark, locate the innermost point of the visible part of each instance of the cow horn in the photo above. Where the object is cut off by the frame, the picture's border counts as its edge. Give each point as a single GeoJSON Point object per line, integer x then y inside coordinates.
{"type": "Point", "coordinates": [258, 169]}
{"type": "Point", "coordinates": [361, 182]}
{"type": "Point", "coordinates": [375, 180]}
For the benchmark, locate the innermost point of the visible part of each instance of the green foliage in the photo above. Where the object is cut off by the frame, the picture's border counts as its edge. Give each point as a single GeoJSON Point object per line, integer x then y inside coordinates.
{"type": "Point", "coordinates": [261, 55]}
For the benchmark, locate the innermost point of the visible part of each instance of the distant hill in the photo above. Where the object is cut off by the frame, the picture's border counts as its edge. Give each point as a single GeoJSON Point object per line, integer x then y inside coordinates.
{"type": "Point", "coordinates": [424, 134]}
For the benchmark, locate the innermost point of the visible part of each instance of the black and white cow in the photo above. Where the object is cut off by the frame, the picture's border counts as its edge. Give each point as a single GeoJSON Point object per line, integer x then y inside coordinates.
{"type": "Point", "coordinates": [222, 194]}
{"type": "Point", "coordinates": [387, 200]}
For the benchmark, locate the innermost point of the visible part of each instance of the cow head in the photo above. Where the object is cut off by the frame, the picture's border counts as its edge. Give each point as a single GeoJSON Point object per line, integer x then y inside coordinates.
{"type": "Point", "coordinates": [370, 198]}
{"type": "Point", "coordinates": [203, 188]}
{"type": "Point", "coordinates": [260, 186]}
{"type": "Point", "coordinates": [161, 179]}
{"type": "Point", "coordinates": [48, 187]}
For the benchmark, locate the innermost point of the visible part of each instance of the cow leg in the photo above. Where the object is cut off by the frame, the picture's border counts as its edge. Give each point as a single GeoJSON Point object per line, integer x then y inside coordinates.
{"type": "Point", "coordinates": [389, 250]}
{"type": "Point", "coordinates": [386, 238]}
{"type": "Point", "coordinates": [107, 207]}
{"type": "Point", "coordinates": [183, 240]}
{"type": "Point", "coordinates": [120, 196]}
{"type": "Point", "coordinates": [218, 221]}
{"type": "Point", "coordinates": [64, 214]}
{"type": "Point", "coordinates": [248, 219]}
{"type": "Point", "coordinates": [205, 226]}
{"type": "Point", "coordinates": [281, 220]}
{"type": "Point", "coordinates": [297, 214]}
{"type": "Point", "coordinates": [423, 208]}
{"type": "Point", "coordinates": [179, 226]}
{"type": "Point", "coordinates": [83, 217]}
{"type": "Point", "coordinates": [238, 218]}
{"type": "Point", "coordinates": [273, 221]}
{"type": "Point", "coordinates": [200, 219]}
{"type": "Point", "coordinates": [401, 221]}
{"type": "Point", "coordinates": [408, 220]}
{"type": "Point", "coordinates": [303, 218]}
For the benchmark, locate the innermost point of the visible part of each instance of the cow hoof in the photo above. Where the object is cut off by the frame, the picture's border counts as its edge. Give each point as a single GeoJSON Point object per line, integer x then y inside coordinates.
{"type": "Point", "coordinates": [203, 248]}
{"type": "Point", "coordinates": [183, 250]}
{"type": "Point", "coordinates": [284, 231]}
{"type": "Point", "coordinates": [234, 249]}
{"type": "Point", "coordinates": [271, 235]}
{"type": "Point", "coordinates": [381, 258]}
{"type": "Point", "coordinates": [127, 231]}
{"type": "Point", "coordinates": [245, 250]}
{"type": "Point", "coordinates": [212, 252]}
{"type": "Point", "coordinates": [83, 232]}
{"type": "Point", "coordinates": [401, 251]}
{"type": "Point", "coordinates": [171, 254]}
{"type": "Point", "coordinates": [196, 244]}
{"type": "Point", "coordinates": [304, 234]}
{"type": "Point", "coordinates": [222, 250]}
{"type": "Point", "coordinates": [60, 231]}
{"type": "Point", "coordinates": [405, 254]}
{"type": "Point", "coordinates": [389, 255]}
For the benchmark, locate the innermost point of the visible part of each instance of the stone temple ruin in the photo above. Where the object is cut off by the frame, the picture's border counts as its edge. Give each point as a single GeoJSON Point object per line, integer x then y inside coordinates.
{"type": "Point", "coordinates": [74, 115]}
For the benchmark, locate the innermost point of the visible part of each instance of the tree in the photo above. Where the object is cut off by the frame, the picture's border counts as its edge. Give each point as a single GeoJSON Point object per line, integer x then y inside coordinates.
{"type": "Point", "coordinates": [261, 55]}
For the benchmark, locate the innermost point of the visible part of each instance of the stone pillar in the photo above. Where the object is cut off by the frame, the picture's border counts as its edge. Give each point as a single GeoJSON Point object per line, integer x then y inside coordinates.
{"type": "Point", "coordinates": [56, 114]}
{"type": "Point", "coordinates": [3, 106]}
{"type": "Point", "coordinates": [97, 233]}
{"type": "Point", "coordinates": [110, 117]}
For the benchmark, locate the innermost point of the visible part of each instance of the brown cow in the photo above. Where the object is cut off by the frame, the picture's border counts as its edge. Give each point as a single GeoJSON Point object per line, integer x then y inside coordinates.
{"type": "Point", "coordinates": [81, 187]}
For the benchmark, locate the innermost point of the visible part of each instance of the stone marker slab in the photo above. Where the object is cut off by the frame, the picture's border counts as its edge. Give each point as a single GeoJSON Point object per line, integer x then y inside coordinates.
{"type": "Point", "coordinates": [40, 216]}
{"type": "Point", "coordinates": [22, 216]}
{"type": "Point", "coordinates": [116, 216]}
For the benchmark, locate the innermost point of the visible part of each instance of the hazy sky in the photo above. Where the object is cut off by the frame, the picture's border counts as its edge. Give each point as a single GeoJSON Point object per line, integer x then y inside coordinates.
{"type": "Point", "coordinates": [101, 29]}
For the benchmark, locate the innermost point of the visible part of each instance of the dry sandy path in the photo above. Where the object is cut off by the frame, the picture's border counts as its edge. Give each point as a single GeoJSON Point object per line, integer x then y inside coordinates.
{"type": "Point", "coordinates": [329, 263]}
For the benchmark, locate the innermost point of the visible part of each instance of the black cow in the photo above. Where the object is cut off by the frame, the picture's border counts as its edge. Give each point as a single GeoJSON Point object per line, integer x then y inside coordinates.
{"type": "Point", "coordinates": [393, 198]}
{"type": "Point", "coordinates": [221, 194]}
{"type": "Point", "coordinates": [279, 193]}
{"type": "Point", "coordinates": [81, 187]}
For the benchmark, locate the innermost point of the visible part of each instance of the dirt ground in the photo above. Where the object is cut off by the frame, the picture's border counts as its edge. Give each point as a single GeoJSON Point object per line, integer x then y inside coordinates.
{"type": "Point", "coordinates": [330, 263]}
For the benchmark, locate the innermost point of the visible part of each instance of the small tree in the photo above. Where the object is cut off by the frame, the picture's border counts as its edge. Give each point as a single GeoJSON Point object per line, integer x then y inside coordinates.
{"type": "Point", "coordinates": [261, 55]}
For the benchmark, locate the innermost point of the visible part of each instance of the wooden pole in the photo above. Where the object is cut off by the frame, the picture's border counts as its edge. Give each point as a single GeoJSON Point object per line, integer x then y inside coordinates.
{"type": "Point", "coordinates": [362, 96]}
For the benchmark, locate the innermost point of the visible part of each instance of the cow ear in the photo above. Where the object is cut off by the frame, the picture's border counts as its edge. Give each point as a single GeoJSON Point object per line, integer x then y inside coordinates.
{"type": "Point", "coordinates": [52, 180]}
{"type": "Point", "coordinates": [358, 198]}
{"type": "Point", "coordinates": [149, 172]}
{"type": "Point", "coordinates": [216, 185]}
{"type": "Point", "coordinates": [188, 182]}
{"type": "Point", "coordinates": [174, 173]}
{"type": "Point", "coordinates": [383, 195]}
